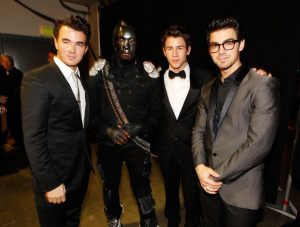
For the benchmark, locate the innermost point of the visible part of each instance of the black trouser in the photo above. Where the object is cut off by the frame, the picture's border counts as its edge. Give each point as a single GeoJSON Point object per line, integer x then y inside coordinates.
{"type": "Point", "coordinates": [65, 214]}
{"type": "Point", "coordinates": [14, 124]}
{"type": "Point", "coordinates": [216, 213]}
{"type": "Point", "coordinates": [172, 172]}
{"type": "Point", "coordinates": [1, 141]}
{"type": "Point", "coordinates": [138, 163]}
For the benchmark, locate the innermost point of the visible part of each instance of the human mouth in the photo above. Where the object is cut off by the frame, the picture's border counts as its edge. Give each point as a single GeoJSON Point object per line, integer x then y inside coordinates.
{"type": "Point", "coordinates": [222, 59]}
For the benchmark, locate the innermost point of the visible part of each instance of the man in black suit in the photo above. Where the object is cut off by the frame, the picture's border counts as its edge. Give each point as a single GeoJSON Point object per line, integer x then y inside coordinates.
{"type": "Point", "coordinates": [10, 88]}
{"type": "Point", "coordinates": [55, 110]}
{"type": "Point", "coordinates": [3, 110]}
{"type": "Point", "coordinates": [181, 85]}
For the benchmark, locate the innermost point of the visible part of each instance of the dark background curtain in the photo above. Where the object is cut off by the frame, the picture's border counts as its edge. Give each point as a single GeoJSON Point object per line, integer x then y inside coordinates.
{"type": "Point", "coordinates": [272, 32]}
{"type": "Point", "coordinates": [272, 35]}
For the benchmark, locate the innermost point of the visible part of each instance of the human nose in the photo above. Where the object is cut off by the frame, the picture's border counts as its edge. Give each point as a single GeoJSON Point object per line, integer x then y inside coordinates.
{"type": "Point", "coordinates": [71, 47]}
{"type": "Point", "coordinates": [174, 53]}
{"type": "Point", "coordinates": [221, 49]}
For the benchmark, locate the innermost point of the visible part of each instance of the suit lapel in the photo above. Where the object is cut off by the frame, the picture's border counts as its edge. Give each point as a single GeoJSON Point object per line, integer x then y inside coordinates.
{"type": "Point", "coordinates": [212, 107]}
{"type": "Point", "coordinates": [86, 114]}
{"type": "Point", "coordinates": [243, 72]}
{"type": "Point", "coordinates": [67, 90]}
{"type": "Point", "coordinates": [165, 98]}
{"type": "Point", "coordinates": [193, 92]}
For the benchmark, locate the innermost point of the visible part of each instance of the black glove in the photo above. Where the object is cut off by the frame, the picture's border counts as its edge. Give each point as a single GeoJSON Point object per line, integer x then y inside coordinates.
{"type": "Point", "coordinates": [133, 129]}
{"type": "Point", "coordinates": [117, 135]}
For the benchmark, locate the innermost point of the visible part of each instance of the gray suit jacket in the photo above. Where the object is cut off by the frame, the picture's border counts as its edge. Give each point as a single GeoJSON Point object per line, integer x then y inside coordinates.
{"type": "Point", "coordinates": [244, 137]}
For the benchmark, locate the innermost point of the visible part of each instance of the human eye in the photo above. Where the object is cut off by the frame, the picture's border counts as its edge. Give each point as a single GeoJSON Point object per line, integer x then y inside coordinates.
{"type": "Point", "coordinates": [214, 47]}
{"type": "Point", "coordinates": [80, 44]}
{"type": "Point", "coordinates": [65, 41]}
{"type": "Point", "coordinates": [228, 44]}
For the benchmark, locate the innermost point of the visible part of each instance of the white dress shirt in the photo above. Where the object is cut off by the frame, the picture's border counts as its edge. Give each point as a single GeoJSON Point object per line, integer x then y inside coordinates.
{"type": "Point", "coordinates": [177, 90]}
{"type": "Point", "coordinates": [67, 71]}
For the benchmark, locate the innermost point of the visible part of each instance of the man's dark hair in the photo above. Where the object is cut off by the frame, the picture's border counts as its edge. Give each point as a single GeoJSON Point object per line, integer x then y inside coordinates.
{"type": "Point", "coordinates": [52, 51]}
{"type": "Point", "coordinates": [75, 22]}
{"type": "Point", "coordinates": [176, 31]}
{"type": "Point", "coordinates": [223, 23]}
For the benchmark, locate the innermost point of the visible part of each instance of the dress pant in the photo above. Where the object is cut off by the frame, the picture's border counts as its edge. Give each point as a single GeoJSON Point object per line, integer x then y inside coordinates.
{"type": "Point", "coordinates": [1, 141]}
{"type": "Point", "coordinates": [14, 124]}
{"type": "Point", "coordinates": [65, 214]}
{"type": "Point", "coordinates": [172, 172]}
{"type": "Point", "coordinates": [216, 213]}
{"type": "Point", "coordinates": [138, 163]}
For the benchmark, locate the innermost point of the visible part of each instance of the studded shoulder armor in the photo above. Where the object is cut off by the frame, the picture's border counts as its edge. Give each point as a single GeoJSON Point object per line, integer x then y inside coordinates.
{"type": "Point", "coordinates": [150, 69]}
{"type": "Point", "coordinates": [98, 65]}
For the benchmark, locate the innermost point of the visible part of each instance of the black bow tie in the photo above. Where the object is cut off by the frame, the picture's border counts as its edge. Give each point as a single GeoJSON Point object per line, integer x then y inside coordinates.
{"type": "Point", "coordinates": [180, 74]}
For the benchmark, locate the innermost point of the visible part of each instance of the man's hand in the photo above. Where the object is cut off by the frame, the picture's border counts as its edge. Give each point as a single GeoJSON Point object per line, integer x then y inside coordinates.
{"type": "Point", "coordinates": [3, 99]}
{"type": "Point", "coordinates": [261, 72]}
{"type": "Point", "coordinates": [57, 195]}
{"type": "Point", "coordinates": [133, 129]}
{"type": "Point", "coordinates": [117, 135]}
{"type": "Point", "coordinates": [208, 184]}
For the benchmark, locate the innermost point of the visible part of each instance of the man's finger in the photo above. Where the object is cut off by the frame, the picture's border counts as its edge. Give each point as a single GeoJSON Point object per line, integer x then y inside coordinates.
{"type": "Point", "coordinates": [213, 173]}
{"type": "Point", "coordinates": [63, 199]}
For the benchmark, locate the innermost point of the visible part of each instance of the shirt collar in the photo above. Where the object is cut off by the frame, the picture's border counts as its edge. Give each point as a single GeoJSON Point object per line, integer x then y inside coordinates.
{"type": "Point", "coordinates": [232, 77]}
{"type": "Point", "coordinates": [66, 70]}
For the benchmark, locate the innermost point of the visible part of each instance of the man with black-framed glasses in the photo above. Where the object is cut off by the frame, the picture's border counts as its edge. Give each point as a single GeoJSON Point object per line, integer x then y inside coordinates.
{"type": "Point", "coordinates": [235, 127]}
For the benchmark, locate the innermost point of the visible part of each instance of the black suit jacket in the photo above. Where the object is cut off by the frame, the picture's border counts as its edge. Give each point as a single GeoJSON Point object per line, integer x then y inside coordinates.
{"type": "Point", "coordinates": [174, 135]}
{"type": "Point", "coordinates": [55, 139]}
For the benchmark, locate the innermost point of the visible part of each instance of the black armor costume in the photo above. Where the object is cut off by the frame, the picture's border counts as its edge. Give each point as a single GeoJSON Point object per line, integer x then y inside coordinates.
{"type": "Point", "coordinates": [125, 108]}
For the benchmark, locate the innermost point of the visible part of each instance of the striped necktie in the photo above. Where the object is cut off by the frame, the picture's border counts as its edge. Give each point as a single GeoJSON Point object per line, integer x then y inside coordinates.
{"type": "Point", "coordinates": [77, 95]}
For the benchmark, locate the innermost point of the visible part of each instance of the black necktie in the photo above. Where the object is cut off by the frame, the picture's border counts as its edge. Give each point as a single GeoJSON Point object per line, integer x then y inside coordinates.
{"type": "Point", "coordinates": [180, 74]}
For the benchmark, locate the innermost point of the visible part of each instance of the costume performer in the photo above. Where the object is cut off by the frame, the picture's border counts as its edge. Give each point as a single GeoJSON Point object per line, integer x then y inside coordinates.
{"type": "Point", "coordinates": [125, 110]}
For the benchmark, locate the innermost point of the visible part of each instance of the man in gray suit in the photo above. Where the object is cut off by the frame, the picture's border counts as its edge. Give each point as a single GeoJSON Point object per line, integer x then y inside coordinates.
{"type": "Point", "coordinates": [235, 127]}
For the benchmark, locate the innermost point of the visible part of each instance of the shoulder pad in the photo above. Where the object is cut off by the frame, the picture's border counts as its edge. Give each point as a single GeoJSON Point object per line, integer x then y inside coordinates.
{"type": "Point", "coordinates": [98, 65]}
{"type": "Point", "coordinates": [150, 69]}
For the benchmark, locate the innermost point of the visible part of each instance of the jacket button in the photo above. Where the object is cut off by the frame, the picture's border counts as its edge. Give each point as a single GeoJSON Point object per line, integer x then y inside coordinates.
{"type": "Point", "coordinates": [129, 92]}
{"type": "Point", "coordinates": [214, 154]}
{"type": "Point", "coordinates": [119, 92]}
{"type": "Point", "coordinates": [175, 138]}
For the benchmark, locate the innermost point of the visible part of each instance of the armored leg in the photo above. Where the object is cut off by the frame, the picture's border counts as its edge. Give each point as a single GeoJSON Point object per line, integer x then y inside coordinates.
{"type": "Point", "coordinates": [139, 169]}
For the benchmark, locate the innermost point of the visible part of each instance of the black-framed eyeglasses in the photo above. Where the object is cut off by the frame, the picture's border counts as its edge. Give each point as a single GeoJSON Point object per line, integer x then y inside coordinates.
{"type": "Point", "coordinates": [228, 45]}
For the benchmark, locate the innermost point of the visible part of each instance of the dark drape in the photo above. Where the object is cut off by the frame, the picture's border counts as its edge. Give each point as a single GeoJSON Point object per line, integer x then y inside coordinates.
{"type": "Point", "coordinates": [272, 42]}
